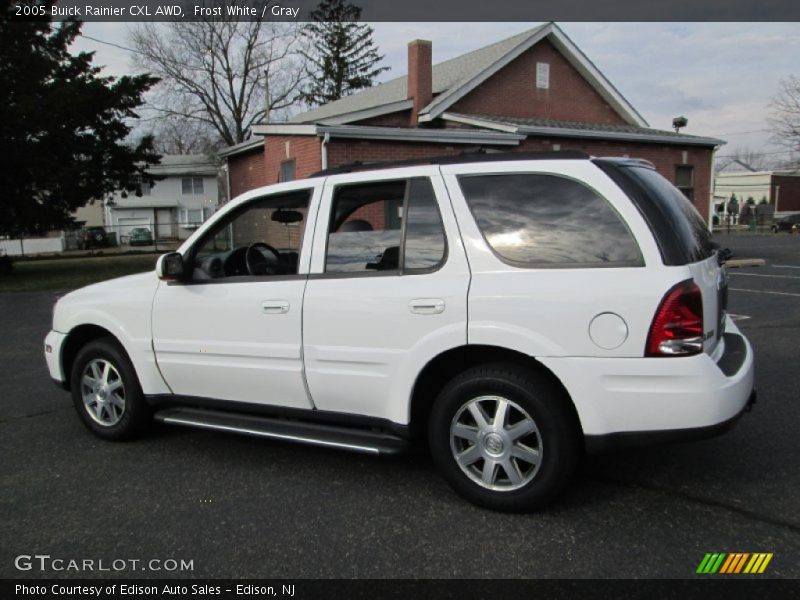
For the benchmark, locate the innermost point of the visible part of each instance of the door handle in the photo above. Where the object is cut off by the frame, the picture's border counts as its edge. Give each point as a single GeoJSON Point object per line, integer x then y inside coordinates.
{"type": "Point", "coordinates": [275, 307]}
{"type": "Point", "coordinates": [426, 306]}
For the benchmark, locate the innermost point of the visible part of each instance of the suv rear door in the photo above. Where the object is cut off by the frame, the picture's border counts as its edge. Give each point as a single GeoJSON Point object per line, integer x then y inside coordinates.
{"type": "Point", "coordinates": [562, 263]}
{"type": "Point", "coordinates": [387, 290]}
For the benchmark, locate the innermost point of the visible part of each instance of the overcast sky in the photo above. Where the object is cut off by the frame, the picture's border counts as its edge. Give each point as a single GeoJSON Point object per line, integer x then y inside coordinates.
{"type": "Point", "coordinates": [721, 76]}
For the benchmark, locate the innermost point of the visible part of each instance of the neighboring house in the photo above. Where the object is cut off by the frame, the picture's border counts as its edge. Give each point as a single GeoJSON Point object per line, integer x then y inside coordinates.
{"type": "Point", "coordinates": [90, 215]}
{"type": "Point", "coordinates": [174, 206]}
{"type": "Point", "coordinates": [780, 188]}
{"type": "Point", "coordinates": [535, 91]}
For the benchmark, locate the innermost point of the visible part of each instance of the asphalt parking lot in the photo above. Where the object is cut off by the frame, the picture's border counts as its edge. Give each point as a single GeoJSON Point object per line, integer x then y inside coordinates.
{"type": "Point", "coordinates": [240, 507]}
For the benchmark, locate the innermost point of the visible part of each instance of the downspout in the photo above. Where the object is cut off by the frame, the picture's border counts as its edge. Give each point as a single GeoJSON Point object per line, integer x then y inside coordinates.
{"type": "Point", "coordinates": [712, 187]}
{"type": "Point", "coordinates": [325, 139]}
{"type": "Point", "coordinates": [228, 179]}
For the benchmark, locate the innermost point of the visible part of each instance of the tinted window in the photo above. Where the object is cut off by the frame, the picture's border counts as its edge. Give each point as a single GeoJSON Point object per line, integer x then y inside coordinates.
{"type": "Point", "coordinates": [425, 241]}
{"type": "Point", "coordinates": [365, 228]}
{"type": "Point", "coordinates": [382, 226]}
{"type": "Point", "coordinates": [682, 217]}
{"type": "Point", "coordinates": [546, 220]}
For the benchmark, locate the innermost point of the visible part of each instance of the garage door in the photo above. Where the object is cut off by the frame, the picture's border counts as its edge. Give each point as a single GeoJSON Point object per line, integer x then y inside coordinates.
{"type": "Point", "coordinates": [128, 223]}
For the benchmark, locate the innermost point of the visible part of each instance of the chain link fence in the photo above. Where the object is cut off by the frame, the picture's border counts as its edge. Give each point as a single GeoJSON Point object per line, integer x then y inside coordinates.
{"type": "Point", "coordinates": [96, 239]}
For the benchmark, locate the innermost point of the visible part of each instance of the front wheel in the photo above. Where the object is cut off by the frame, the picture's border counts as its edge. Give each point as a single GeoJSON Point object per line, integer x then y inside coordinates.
{"type": "Point", "coordinates": [504, 437]}
{"type": "Point", "coordinates": [106, 391]}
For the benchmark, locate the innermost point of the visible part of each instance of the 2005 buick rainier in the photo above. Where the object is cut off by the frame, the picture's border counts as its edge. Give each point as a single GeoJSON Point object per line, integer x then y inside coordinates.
{"type": "Point", "coordinates": [515, 310]}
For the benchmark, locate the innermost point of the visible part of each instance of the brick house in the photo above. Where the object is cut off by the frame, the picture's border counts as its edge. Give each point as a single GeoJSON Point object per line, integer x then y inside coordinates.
{"type": "Point", "coordinates": [532, 92]}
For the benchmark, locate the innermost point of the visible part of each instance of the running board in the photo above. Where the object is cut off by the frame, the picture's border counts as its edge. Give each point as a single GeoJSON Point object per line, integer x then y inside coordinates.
{"type": "Point", "coordinates": [315, 434]}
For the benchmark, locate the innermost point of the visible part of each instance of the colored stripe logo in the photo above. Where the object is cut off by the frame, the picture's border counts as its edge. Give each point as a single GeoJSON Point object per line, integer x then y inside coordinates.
{"type": "Point", "coordinates": [734, 563]}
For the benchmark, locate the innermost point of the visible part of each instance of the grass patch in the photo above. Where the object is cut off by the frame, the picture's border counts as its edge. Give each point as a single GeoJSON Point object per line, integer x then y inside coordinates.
{"type": "Point", "coordinates": [72, 273]}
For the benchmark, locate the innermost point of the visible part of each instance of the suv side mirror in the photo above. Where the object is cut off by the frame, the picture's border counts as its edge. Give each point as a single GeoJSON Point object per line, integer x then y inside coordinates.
{"type": "Point", "coordinates": [169, 267]}
{"type": "Point", "coordinates": [724, 255]}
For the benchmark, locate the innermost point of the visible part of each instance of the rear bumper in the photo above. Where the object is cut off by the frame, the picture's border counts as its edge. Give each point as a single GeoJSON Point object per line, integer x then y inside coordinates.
{"type": "Point", "coordinates": [597, 444]}
{"type": "Point", "coordinates": [633, 401]}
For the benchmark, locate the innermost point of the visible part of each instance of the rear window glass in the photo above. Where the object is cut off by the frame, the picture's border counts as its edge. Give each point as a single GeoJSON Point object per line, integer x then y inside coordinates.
{"type": "Point", "coordinates": [680, 214]}
{"type": "Point", "coordinates": [539, 220]}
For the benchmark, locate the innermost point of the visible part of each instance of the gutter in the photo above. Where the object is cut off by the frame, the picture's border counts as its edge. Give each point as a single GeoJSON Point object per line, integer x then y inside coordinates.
{"type": "Point", "coordinates": [400, 134]}
{"type": "Point", "coordinates": [618, 135]}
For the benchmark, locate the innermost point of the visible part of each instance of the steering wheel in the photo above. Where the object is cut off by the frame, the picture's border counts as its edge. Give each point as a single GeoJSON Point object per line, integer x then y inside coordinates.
{"type": "Point", "coordinates": [259, 263]}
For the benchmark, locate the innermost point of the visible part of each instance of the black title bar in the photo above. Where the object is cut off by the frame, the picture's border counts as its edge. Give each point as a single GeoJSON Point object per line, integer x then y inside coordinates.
{"type": "Point", "coordinates": [419, 10]}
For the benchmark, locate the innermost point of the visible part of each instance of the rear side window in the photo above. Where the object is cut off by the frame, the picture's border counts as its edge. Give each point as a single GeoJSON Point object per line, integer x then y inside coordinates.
{"type": "Point", "coordinates": [679, 230]}
{"type": "Point", "coordinates": [680, 212]}
{"type": "Point", "coordinates": [537, 220]}
{"type": "Point", "coordinates": [382, 226]}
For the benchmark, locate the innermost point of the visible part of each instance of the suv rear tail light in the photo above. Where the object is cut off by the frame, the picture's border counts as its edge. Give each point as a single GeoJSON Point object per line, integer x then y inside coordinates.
{"type": "Point", "coordinates": [677, 328]}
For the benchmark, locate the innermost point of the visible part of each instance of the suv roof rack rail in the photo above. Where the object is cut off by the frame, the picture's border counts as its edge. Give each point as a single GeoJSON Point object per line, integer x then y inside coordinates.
{"type": "Point", "coordinates": [464, 157]}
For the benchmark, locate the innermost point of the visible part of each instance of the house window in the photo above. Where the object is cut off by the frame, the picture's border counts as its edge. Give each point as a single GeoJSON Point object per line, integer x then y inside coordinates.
{"type": "Point", "coordinates": [287, 170]}
{"type": "Point", "coordinates": [684, 180]}
{"type": "Point", "coordinates": [194, 217]}
{"type": "Point", "coordinates": [192, 185]}
{"type": "Point", "coordinates": [144, 186]}
{"type": "Point", "coordinates": [543, 75]}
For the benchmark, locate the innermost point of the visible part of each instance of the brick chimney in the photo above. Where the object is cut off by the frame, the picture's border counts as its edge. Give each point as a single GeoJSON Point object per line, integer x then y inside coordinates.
{"type": "Point", "coordinates": [420, 77]}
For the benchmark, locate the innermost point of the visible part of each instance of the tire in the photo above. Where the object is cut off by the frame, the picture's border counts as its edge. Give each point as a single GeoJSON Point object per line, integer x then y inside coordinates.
{"type": "Point", "coordinates": [117, 409]}
{"type": "Point", "coordinates": [540, 439]}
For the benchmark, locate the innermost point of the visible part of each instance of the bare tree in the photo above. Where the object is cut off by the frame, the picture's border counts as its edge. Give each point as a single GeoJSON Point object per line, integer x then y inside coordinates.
{"type": "Point", "coordinates": [223, 74]}
{"type": "Point", "coordinates": [785, 113]}
{"type": "Point", "coordinates": [747, 158]}
{"type": "Point", "coordinates": [175, 134]}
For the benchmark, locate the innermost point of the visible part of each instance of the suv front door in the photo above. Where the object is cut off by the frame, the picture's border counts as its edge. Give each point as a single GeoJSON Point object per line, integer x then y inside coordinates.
{"type": "Point", "coordinates": [386, 293]}
{"type": "Point", "coordinates": [232, 331]}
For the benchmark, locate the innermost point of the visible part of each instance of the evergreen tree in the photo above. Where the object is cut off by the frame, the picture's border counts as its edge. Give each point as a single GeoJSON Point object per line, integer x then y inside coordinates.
{"type": "Point", "coordinates": [342, 57]}
{"type": "Point", "coordinates": [62, 126]}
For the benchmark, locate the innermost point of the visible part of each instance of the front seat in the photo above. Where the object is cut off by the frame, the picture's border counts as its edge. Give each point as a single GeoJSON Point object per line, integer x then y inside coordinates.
{"type": "Point", "coordinates": [355, 225]}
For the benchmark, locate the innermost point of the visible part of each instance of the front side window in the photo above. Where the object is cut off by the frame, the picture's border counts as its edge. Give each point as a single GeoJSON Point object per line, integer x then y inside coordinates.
{"type": "Point", "coordinates": [538, 220]}
{"type": "Point", "coordinates": [263, 238]}
{"type": "Point", "coordinates": [390, 226]}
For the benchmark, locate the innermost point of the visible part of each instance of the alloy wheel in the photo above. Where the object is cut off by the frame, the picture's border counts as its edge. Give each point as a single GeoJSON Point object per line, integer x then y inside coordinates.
{"type": "Point", "coordinates": [496, 443]}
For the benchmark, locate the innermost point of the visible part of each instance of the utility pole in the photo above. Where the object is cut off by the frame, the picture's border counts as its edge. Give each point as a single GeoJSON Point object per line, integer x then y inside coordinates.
{"type": "Point", "coordinates": [266, 96]}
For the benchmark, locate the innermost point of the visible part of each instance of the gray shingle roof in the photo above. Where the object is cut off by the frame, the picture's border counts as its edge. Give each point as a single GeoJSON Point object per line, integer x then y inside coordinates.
{"type": "Point", "coordinates": [184, 164]}
{"type": "Point", "coordinates": [446, 75]}
{"type": "Point", "coordinates": [525, 124]}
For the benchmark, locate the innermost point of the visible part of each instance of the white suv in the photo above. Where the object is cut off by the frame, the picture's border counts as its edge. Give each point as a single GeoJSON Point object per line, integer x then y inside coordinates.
{"type": "Point", "coordinates": [518, 308]}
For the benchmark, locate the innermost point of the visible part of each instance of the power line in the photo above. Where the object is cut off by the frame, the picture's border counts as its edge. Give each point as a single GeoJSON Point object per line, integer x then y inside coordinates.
{"type": "Point", "coordinates": [756, 154]}
{"type": "Point", "coordinates": [94, 39]}
{"type": "Point", "coordinates": [742, 132]}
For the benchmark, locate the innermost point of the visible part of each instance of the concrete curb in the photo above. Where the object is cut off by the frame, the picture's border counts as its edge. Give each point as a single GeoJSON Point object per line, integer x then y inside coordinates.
{"type": "Point", "coordinates": [736, 263]}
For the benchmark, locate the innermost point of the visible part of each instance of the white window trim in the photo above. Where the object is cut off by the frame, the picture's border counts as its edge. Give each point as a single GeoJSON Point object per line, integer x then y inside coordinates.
{"type": "Point", "coordinates": [187, 224]}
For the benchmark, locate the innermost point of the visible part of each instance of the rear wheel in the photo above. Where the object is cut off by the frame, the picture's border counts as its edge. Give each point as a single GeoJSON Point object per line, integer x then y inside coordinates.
{"type": "Point", "coordinates": [106, 391]}
{"type": "Point", "coordinates": [504, 437]}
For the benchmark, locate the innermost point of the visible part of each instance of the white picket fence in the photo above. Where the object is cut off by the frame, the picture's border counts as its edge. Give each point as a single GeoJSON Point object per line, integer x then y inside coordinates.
{"type": "Point", "coordinates": [32, 246]}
